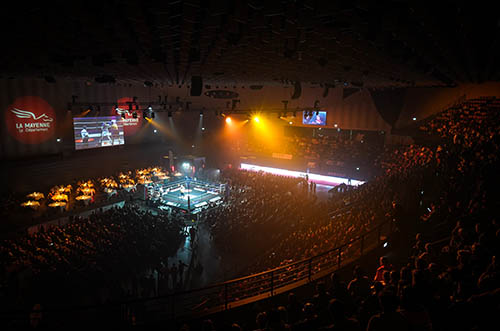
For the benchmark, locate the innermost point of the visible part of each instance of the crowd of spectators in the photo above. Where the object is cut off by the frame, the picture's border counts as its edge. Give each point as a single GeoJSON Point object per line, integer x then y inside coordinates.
{"type": "Point", "coordinates": [108, 256]}
{"type": "Point", "coordinates": [259, 210]}
{"type": "Point", "coordinates": [329, 153]}
{"type": "Point", "coordinates": [452, 288]}
{"type": "Point", "coordinates": [450, 284]}
{"type": "Point", "coordinates": [267, 221]}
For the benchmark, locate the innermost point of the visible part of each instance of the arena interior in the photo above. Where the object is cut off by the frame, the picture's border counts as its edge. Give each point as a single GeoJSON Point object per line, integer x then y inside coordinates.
{"type": "Point", "coordinates": [244, 165]}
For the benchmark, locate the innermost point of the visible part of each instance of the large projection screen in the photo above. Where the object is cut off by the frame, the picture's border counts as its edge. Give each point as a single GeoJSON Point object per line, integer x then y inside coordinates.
{"type": "Point", "coordinates": [95, 132]}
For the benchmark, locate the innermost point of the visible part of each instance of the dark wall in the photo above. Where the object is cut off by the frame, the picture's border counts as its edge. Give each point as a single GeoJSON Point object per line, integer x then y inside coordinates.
{"type": "Point", "coordinates": [354, 112]}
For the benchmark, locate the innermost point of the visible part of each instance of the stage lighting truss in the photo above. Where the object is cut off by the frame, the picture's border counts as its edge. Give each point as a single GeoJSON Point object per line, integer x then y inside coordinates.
{"type": "Point", "coordinates": [132, 109]}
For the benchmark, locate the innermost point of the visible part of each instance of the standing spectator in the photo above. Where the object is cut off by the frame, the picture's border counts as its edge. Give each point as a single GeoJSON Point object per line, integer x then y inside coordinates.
{"type": "Point", "coordinates": [181, 267]}
{"type": "Point", "coordinates": [173, 274]}
{"type": "Point", "coordinates": [359, 286]}
{"type": "Point", "coordinates": [384, 266]}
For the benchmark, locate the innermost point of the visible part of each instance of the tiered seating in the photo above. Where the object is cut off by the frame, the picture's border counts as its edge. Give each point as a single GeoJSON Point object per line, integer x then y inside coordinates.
{"type": "Point", "coordinates": [450, 284]}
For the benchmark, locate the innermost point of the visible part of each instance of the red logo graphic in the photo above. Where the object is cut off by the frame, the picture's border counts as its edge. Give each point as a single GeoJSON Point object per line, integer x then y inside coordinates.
{"type": "Point", "coordinates": [30, 119]}
{"type": "Point", "coordinates": [131, 122]}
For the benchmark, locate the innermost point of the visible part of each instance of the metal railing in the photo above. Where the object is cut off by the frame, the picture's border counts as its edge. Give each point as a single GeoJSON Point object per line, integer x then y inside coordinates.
{"type": "Point", "coordinates": [226, 295]}
{"type": "Point", "coordinates": [240, 291]}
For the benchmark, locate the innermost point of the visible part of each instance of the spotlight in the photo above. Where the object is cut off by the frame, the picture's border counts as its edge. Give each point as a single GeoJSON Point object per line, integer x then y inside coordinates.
{"type": "Point", "coordinates": [357, 168]}
{"type": "Point", "coordinates": [386, 244]}
{"type": "Point", "coordinates": [228, 120]}
{"type": "Point", "coordinates": [290, 123]}
{"type": "Point", "coordinates": [201, 112]}
{"type": "Point", "coordinates": [414, 118]}
{"type": "Point", "coordinates": [155, 131]}
{"type": "Point", "coordinates": [256, 119]}
{"type": "Point", "coordinates": [58, 140]}
{"type": "Point", "coordinates": [335, 125]}
{"type": "Point", "coordinates": [202, 129]}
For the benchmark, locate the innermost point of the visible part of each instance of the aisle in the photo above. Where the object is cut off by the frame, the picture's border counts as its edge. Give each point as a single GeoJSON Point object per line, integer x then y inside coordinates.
{"type": "Point", "coordinates": [206, 267]}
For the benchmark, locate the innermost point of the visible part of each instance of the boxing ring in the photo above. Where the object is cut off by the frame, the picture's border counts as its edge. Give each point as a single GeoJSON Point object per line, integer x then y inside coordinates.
{"type": "Point", "coordinates": [187, 194]}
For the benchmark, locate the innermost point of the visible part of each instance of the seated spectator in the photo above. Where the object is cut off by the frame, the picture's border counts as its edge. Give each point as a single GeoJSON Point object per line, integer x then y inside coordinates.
{"type": "Point", "coordinates": [310, 320]}
{"type": "Point", "coordinates": [261, 321]}
{"type": "Point", "coordinates": [389, 319]}
{"type": "Point", "coordinates": [339, 320]}
{"type": "Point", "coordinates": [416, 314]}
{"type": "Point", "coordinates": [294, 308]}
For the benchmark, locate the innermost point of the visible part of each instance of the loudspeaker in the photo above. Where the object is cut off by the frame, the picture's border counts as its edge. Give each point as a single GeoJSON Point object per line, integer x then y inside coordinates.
{"type": "Point", "coordinates": [297, 90]}
{"type": "Point", "coordinates": [196, 86]}
{"type": "Point", "coordinates": [325, 91]}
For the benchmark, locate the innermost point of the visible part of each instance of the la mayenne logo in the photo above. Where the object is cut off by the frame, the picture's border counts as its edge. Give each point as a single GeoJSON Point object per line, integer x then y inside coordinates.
{"type": "Point", "coordinates": [29, 115]}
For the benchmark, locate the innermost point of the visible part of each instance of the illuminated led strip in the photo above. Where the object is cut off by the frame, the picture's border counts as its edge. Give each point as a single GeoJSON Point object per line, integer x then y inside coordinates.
{"type": "Point", "coordinates": [214, 199]}
{"type": "Point", "coordinates": [199, 189]}
{"type": "Point", "coordinates": [299, 174]}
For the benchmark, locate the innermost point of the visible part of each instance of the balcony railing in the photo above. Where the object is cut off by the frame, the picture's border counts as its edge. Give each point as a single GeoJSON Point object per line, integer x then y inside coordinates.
{"type": "Point", "coordinates": [221, 296]}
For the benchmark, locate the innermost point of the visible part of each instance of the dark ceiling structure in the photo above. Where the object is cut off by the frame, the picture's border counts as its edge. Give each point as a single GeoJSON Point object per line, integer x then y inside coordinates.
{"type": "Point", "coordinates": [374, 44]}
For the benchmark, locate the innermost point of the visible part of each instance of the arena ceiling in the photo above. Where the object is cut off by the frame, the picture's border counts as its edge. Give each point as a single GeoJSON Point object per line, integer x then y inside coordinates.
{"type": "Point", "coordinates": [347, 43]}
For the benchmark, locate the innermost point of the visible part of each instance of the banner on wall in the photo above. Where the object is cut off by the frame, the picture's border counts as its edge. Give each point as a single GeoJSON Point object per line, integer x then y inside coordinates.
{"type": "Point", "coordinates": [30, 120]}
{"type": "Point", "coordinates": [131, 122]}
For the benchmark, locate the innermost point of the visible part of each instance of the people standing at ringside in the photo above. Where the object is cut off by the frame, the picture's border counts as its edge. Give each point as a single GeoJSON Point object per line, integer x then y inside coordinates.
{"type": "Point", "coordinates": [173, 274]}
{"type": "Point", "coordinates": [182, 265]}
{"type": "Point", "coordinates": [163, 283]}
